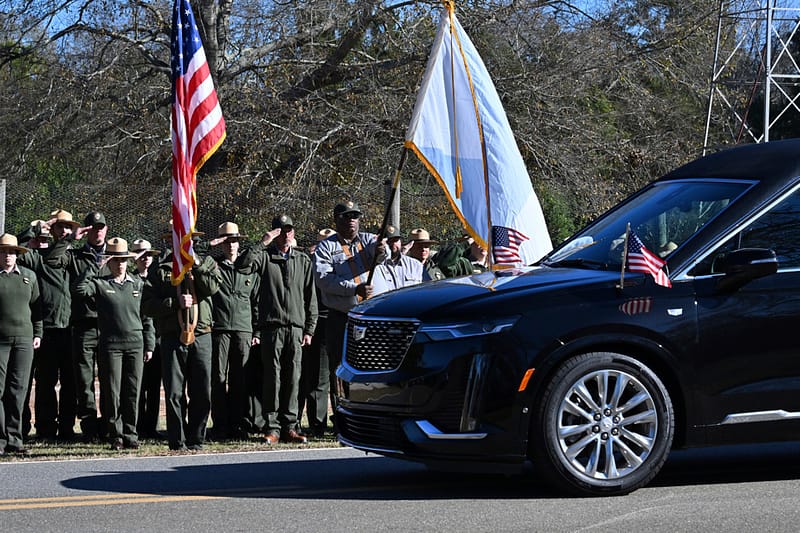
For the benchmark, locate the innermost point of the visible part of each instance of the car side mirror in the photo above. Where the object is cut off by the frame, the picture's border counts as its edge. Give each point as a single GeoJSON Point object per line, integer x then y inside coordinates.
{"type": "Point", "coordinates": [744, 265]}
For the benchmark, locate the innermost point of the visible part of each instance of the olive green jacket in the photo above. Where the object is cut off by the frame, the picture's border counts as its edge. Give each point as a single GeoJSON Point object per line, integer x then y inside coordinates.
{"type": "Point", "coordinates": [76, 262]}
{"type": "Point", "coordinates": [235, 303]}
{"type": "Point", "coordinates": [160, 299]}
{"type": "Point", "coordinates": [287, 295]}
{"type": "Point", "coordinates": [53, 286]}
{"type": "Point", "coordinates": [119, 313]}
{"type": "Point", "coordinates": [20, 304]}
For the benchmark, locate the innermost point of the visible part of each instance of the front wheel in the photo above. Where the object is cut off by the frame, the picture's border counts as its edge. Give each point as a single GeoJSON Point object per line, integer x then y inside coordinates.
{"type": "Point", "coordinates": [604, 425]}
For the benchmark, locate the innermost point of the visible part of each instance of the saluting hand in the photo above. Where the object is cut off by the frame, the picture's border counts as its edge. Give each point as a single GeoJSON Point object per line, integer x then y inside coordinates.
{"type": "Point", "coordinates": [270, 236]}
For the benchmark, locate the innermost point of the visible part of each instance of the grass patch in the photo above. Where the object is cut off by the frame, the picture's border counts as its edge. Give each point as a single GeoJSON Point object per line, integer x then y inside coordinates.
{"type": "Point", "coordinates": [44, 450]}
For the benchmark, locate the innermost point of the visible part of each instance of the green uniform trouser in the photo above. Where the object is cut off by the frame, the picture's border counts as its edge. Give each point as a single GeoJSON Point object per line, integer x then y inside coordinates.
{"type": "Point", "coordinates": [150, 396]}
{"type": "Point", "coordinates": [85, 338]}
{"type": "Point", "coordinates": [228, 385]}
{"type": "Point", "coordinates": [16, 361]}
{"type": "Point", "coordinates": [119, 366]}
{"type": "Point", "coordinates": [315, 381]}
{"type": "Point", "coordinates": [282, 358]}
{"type": "Point", "coordinates": [334, 343]}
{"type": "Point", "coordinates": [52, 367]}
{"type": "Point", "coordinates": [254, 378]}
{"type": "Point", "coordinates": [186, 368]}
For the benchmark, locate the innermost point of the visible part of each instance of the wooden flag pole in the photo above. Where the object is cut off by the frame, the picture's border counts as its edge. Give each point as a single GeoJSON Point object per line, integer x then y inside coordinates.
{"type": "Point", "coordinates": [187, 318]}
{"type": "Point", "coordinates": [392, 195]}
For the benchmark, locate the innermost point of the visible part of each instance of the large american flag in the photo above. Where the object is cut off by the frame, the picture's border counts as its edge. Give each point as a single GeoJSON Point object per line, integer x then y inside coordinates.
{"type": "Point", "coordinates": [640, 259]}
{"type": "Point", "coordinates": [505, 245]}
{"type": "Point", "coordinates": [197, 131]}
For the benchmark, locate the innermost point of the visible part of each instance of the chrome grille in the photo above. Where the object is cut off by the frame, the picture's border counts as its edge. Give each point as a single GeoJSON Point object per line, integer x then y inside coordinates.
{"type": "Point", "coordinates": [377, 345]}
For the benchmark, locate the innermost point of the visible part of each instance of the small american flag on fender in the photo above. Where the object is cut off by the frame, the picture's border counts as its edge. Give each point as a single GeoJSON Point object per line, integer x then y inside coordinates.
{"type": "Point", "coordinates": [505, 245]}
{"type": "Point", "coordinates": [640, 259]}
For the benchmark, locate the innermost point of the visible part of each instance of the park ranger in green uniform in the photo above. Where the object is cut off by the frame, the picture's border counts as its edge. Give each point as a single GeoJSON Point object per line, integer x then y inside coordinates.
{"type": "Point", "coordinates": [287, 317]}
{"type": "Point", "coordinates": [53, 365]}
{"type": "Point", "coordinates": [85, 335]}
{"type": "Point", "coordinates": [185, 367]}
{"type": "Point", "coordinates": [232, 337]}
{"type": "Point", "coordinates": [123, 338]}
{"type": "Point", "coordinates": [20, 334]}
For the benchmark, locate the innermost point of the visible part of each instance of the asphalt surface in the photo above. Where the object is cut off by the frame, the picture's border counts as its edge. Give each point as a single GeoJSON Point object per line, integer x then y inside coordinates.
{"type": "Point", "coordinates": [722, 489]}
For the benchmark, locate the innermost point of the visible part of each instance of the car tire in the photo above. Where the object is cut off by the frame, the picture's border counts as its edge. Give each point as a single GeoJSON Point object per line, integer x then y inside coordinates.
{"type": "Point", "coordinates": [604, 425]}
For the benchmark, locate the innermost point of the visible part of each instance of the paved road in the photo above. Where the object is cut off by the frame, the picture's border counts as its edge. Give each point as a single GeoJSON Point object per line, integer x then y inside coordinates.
{"type": "Point", "coordinates": [725, 489]}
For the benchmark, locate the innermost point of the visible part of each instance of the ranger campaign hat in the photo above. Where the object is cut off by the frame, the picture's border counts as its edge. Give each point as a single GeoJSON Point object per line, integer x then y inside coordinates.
{"type": "Point", "coordinates": [117, 247]}
{"type": "Point", "coordinates": [346, 207]}
{"type": "Point", "coordinates": [324, 234]}
{"type": "Point", "coordinates": [95, 218]}
{"type": "Point", "coordinates": [40, 229]}
{"type": "Point", "coordinates": [421, 236]}
{"type": "Point", "coordinates": [392, 232]}
{"type": "Point", "coordinates": [65, 218]}
{"type": "Point", "coordinates": [140, 245]}
{"type": "Point", "coordinates": [282, 221]}
{"type": "Point", "coordinates": [230, 231]}
{"type": "Point", "coordinates": [9, 242]}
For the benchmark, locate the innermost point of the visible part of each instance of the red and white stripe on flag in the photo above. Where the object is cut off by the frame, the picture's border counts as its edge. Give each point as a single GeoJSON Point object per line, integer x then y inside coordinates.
{"type": "Point", "coordinates": [640, 259]}
{"type": "Point", "coordinates": [198, 129]}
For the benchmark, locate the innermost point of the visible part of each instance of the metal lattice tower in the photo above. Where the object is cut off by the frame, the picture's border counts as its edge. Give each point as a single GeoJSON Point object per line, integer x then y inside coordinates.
{"type": "Point", "coordinates": [756, 79]}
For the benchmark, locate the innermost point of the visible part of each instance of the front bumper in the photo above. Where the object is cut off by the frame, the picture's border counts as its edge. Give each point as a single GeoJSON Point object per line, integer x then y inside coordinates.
{"type": "Point", "coordinates": [453, 404]}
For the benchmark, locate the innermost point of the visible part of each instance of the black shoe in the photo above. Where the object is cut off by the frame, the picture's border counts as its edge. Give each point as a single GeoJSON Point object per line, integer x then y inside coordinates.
{"type": "Point", "coordinates": [131, 445]}
{"type": "Point", "coordinates": [116, 444]}
{"type": "Point", "coordinates": [195, 447]}
{"type": "Point", "coordinates": [239, 434]}
{"type": "Point", "coordinates": [178, 447]}
{"type": "Point", "coordinates": [66, 436]}
{"type": "Point", "coordinates": [17, 450]}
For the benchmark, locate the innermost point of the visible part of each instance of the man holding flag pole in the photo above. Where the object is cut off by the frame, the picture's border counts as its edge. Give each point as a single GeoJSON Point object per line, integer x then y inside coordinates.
{"type": "Point", "coordinates": [178, 293]}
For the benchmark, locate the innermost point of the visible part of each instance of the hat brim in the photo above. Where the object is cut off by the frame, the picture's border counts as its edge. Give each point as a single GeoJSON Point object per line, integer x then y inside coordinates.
{"type": "Point", "coordinates": [424, 241]}
{"type": "Point", "coordinates": [127, 255]}
{"type": "Point", "coordinates": [152, 252]}
{"type": "Point", "coordinates": [17, 249]}
{"type": "Point", "coordinates": [232, 238]}
{"type": "Point", "coordinates": [72, 223]}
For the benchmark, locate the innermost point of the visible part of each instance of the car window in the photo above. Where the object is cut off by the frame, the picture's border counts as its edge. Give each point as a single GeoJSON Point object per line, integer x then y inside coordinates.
{"type": "Point", "coordinates": [777, 229]}
{"type": "Point", "coordinates": [664, 216]}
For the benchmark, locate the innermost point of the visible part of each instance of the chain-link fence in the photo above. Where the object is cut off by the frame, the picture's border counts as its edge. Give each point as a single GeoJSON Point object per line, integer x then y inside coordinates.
{"type": "Point", "coordinates": [143, 210]}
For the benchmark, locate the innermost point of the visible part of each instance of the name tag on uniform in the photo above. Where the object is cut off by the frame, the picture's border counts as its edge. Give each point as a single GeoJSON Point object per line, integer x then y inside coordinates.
{"type": "Point", "coordinates": [135, 294]}
{"type": "Point", "coordinates": [26, 281]}
{"type": "Point", "coordinates": [111, 291]}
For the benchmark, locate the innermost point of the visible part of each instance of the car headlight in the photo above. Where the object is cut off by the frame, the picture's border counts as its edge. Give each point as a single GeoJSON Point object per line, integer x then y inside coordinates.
{"type": "Point", "coordinates": [472, 328]}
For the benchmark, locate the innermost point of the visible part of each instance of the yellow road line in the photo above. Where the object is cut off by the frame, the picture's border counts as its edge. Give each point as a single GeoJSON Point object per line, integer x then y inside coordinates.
{"type": "Point", "coordinates": [212, 494]}
{"type": "Point", "coordinates": [52, 503]}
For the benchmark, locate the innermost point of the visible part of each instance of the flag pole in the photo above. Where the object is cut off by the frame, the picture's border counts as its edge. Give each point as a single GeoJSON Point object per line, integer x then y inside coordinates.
{"type": "Point", "coordinates": [392, 195]}
{"type": "Point", "coordinates": [624, 257]}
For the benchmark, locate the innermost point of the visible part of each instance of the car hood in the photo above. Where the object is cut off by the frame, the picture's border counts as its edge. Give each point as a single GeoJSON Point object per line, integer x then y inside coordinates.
{"type": "Point", "coordinates": [450, 294]}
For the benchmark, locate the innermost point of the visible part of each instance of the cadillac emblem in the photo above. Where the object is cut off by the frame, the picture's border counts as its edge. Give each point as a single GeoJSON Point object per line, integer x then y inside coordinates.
{"type": "Point", "coordinates": [359, 332]}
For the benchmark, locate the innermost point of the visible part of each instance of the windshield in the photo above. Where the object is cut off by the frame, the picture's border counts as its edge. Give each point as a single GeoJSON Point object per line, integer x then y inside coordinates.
{"type": "Point", "coordinates": [664, 216]}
